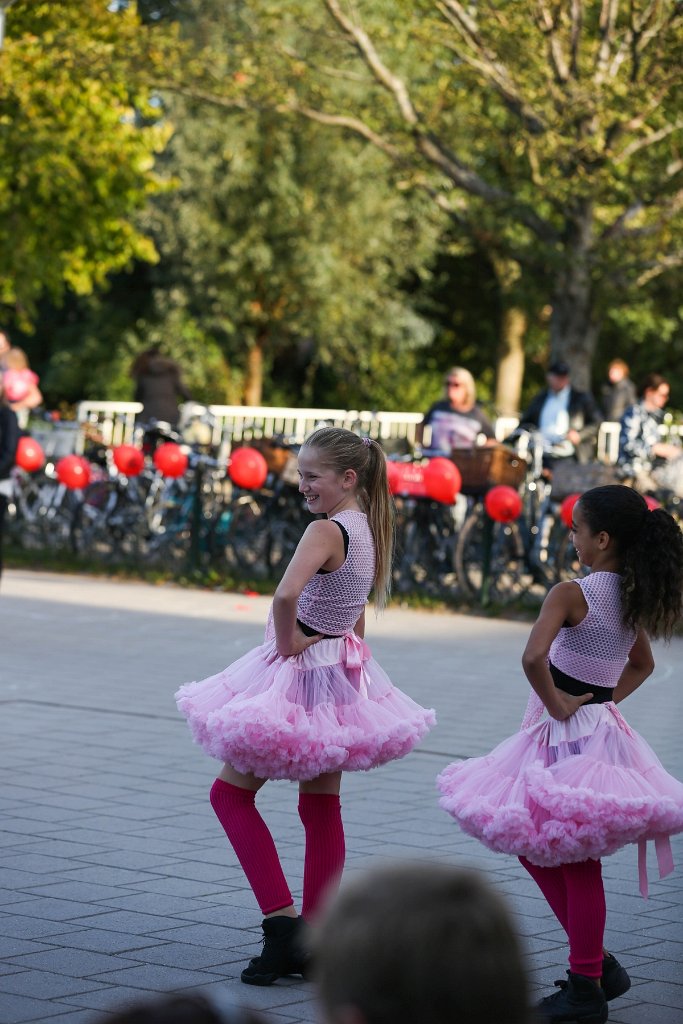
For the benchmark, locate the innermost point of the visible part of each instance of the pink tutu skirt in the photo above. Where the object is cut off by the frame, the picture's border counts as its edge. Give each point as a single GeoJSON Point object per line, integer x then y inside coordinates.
{"type": "Point", "coordinates": [562, 792]}
{"type": "Point", "coordinates": [328, 709]}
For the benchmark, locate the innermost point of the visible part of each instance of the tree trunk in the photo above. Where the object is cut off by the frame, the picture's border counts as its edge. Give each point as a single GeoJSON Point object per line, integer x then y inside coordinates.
{"type": "Point", "coordinates": [511, 361]}
{"type": "Point", "coordinates": [253, 377]}
{"type": "Point", "coordinates": [510, 369]}
{"type": "Point", "coordinates": [574, 326]}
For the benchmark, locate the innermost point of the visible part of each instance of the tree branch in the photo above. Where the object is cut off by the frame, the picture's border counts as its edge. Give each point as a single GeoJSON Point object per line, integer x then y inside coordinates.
{"type": "Point", "coordinates": [608, 18]}
{"type": "Point", "coordinates": [546, 23]}
{"type": "Point", "coordinates": [353, 124]}
{"type": "Point", "coordinates": [662, 265]}
{"type": "Point", "coordinates": [431, 148]}
{"type": "Point", "coordinates": [487, 63]}
{"type": "Point", "coordinates": [389, 81]}
{"type": "Point", "coordinates": [650, 140]}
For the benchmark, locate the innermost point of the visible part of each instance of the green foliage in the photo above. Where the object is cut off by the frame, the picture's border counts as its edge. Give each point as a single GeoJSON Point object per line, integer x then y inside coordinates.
{"type": "Point", "coordinates": [545, 130]}
{"type": "Point", "coordinates": [76, 159]}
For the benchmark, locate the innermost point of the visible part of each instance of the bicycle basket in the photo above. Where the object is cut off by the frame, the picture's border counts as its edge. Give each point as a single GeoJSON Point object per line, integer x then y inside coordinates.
{"type": "Point", "coordinates": [481, 468]}
{"type": "Point", "coordinates": [571, 477]}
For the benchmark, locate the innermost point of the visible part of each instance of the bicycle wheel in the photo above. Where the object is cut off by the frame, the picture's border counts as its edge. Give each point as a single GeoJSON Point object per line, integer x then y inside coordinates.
{"type": "Point", "coordinates": [509, 575]}
{"type": "Point", "coordinates": [240, 537]}
{"type": "Point", "coordinates": [425, 550]}
{"type": "Point", "coordinates": [109, 523]}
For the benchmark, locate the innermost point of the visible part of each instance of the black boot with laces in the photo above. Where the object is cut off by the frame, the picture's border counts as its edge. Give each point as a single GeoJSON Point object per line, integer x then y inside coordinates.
{"type": "Point", "coordinates": [580, 1000]}
{"type": "Point", "coordinates": [615, 980]}
{"type": "Point", "coordinates": [283, 952]}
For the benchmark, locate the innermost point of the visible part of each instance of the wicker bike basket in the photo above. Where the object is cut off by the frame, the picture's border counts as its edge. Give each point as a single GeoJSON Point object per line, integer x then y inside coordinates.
{"type": "Point", "coordinates": [481, 468]}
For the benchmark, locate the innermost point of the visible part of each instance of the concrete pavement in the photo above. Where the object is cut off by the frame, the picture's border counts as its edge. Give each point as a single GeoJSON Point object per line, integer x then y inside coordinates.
{"type": "Point", "coordinates": [116, 881]}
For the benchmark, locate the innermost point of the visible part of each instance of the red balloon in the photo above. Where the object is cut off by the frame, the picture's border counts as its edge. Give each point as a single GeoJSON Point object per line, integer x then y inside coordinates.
{"type": "Point", "coordinates": [248, 468]}
{"type": "Point", "coordinates": [392, 475]}
{"type": "Point", "coordinates": [566, 509]}
{"type": "Point", "coordinates": [128, 459]}
{"type": "Point", "coordinates": [170, 459]}
{"type": "Point", "coordinates": [30, 456]}
{"type": "Point", "coordinates": [503, 503]}
{"type": "Point", "coordinates": [651, 502]}
{"type": "Point", "coordinates": [74, 472]}
{"type": "Point", "coordinates": [442, 480]}
{"type": "Point", "coordinates": [407, 479]}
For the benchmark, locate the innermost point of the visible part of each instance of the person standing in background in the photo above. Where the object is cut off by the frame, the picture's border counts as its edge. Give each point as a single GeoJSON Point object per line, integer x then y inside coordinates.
{"type": "Point", "coordinates": [5, 346]}
{"type": "Point", "coordinates": [9, 439]}
{"type": "Point", "coordinates": [618, 392]}
{"type": "Point", "coordinates": [159, 386]}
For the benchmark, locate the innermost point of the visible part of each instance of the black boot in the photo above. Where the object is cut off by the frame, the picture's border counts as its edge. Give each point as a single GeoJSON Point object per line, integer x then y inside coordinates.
{"type": "Point", "coordinates": [283, 952]}
{"type": "Point", "coordinates": [580, 999]}
{"type": "Point", "coordinates": [615, 981]}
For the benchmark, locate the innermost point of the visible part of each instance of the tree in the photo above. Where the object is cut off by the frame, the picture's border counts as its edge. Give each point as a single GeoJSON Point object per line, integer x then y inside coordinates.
{"type": "Point", "coordinates": [76, 149]}
{"type": "Point", "coordinates": [285, 244]}
{"type": "Point", "coordinates": [545, 130]}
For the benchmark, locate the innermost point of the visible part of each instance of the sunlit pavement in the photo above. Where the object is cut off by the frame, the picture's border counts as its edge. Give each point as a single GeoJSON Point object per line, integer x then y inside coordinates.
{"type": "Point", "coordinates": [117, 881]}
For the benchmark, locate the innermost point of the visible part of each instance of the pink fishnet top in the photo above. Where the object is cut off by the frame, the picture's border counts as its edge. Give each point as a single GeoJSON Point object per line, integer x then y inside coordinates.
{"type": "Point", "coordinates": [596, 650]}
{"type": "Point", "coordinates": [332, 602]}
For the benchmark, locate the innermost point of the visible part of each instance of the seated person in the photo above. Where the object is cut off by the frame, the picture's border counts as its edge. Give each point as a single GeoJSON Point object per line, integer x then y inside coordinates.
{"type": "Point", "coordinates": [567, 418]}
{"type": "Point", "coordinates": [456, 421]}
{"type": "Point", "coordinates": [419, 942]}
{"type": "Point", "coordinates": [644, 456]}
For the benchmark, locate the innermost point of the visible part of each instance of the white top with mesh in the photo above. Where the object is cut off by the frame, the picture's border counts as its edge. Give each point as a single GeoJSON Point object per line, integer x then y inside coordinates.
{"type": "Point", "coordinates": [596, 650]}
{"type": "Point", "coordinates": [333, 602]}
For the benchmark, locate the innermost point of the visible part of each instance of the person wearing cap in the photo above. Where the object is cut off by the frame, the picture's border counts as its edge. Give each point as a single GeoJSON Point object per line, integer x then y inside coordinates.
{"type": "Point", "coordinates": [567, 418]}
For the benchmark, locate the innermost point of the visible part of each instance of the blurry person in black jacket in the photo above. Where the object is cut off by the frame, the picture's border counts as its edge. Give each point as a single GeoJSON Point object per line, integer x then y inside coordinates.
{"type": "Point", "coordinates": [9, 439]}
{"type": "Point", "coordinates": [159, 386]}
{"type": "Point", "coordinates": [567, 418]}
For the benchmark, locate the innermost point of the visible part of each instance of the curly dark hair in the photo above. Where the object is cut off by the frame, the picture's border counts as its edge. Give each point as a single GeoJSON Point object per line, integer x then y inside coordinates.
{"type": "Point", "coordinates": [650, 545]}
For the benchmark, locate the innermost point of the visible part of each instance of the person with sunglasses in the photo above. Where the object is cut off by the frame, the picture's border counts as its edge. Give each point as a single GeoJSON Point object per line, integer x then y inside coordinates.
{"type": "Point", "coordinates": [456, 421]}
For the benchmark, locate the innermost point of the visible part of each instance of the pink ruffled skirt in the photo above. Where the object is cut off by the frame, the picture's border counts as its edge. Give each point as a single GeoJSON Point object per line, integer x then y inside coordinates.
{"type": "Point", "coordinates": [563, 792]}
{"type": "Point", "coordinates": [328, 709]}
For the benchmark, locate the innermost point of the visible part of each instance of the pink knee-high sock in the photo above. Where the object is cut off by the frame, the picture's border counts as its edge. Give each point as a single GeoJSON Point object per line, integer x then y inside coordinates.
{"type": "Point", "coordinates": [586, 916]}
{"type": "Point", "coordinates": [552, 884]}
{"type": "Point", "coordinates": [325, 848]}
{"type": "Point", "coordinates": [252, 842]}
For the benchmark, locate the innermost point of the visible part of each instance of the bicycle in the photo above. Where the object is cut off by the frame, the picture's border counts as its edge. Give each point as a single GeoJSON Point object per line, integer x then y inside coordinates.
{"type": "Point", "coordinates": [40, 510]}
{"type": "Point", "coordinates": [505, 562]}
{"type": "Point", "coordinates": [257, 532]}
{"type": "Point", "coordinates": [426, 531]}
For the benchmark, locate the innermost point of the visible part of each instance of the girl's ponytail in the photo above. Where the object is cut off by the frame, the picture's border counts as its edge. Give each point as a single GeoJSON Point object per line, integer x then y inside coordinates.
{"type": "Point", "coordinates": [379, 508]}
{"type": "Point", "coordinates": [650, 547]}
{"type": "Point", "coordinates": [652, 585]}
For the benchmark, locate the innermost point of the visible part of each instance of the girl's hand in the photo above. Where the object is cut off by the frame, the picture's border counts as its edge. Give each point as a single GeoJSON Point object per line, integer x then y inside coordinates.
{"type": "Point", "coordinates": [564, 705]}
{"type": "Point", "coordinates": [299, 642]}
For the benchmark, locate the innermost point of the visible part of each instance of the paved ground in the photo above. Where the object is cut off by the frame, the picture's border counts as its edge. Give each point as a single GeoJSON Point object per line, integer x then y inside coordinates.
{"type": "Point", "coordinates": [116, 881]}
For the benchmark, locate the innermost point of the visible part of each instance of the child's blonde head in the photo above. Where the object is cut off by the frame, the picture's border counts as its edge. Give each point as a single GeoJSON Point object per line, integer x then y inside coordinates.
{"type": "Point", "coordinates": [342, 449]}
{"type": "Point", "coordinates": [16, 359]}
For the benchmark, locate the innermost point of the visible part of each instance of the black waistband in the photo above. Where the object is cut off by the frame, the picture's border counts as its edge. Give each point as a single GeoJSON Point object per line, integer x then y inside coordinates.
{"type": "Point", "coordinates": [311, 631]}
{"type": "Point", "coordinates": [577, 688]}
